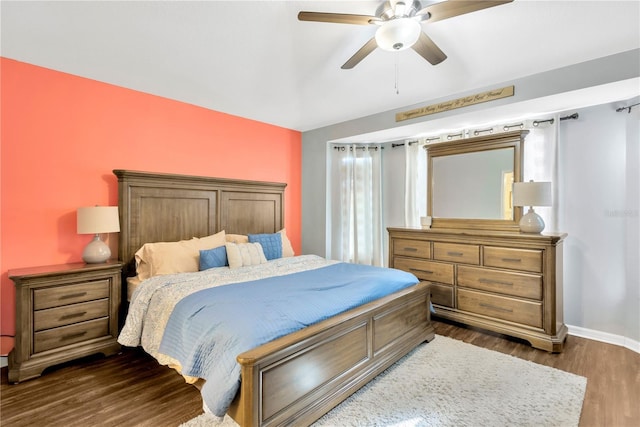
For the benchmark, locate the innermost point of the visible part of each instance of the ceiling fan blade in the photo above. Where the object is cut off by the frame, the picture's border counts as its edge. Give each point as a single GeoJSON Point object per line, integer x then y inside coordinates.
{"type": "Point", "coordinates": [365, 50]}
{"type": "Point", "coordinates": [428, 49]}
{"type": "Point", "coordinates": [451, 8]}
{"type": "Point", "coordinates": [338, 18]}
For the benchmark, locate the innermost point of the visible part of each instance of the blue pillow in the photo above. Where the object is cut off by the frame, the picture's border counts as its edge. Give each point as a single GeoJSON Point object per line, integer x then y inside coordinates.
{"type": "Point", "coordinates": [210, 258]}
{"type": "Point", "coordinates": [271, 244]}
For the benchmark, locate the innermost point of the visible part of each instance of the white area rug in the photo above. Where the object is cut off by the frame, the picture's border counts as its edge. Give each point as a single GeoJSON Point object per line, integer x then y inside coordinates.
{"type": "Point", "coordinates": [450, 383]}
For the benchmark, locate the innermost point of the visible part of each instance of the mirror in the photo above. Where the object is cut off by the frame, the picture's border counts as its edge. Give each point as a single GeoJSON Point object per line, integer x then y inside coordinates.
{"type": "Point", "coordinates": [470, 181]}
{"type": "Point", "coordinates": [481, 191]}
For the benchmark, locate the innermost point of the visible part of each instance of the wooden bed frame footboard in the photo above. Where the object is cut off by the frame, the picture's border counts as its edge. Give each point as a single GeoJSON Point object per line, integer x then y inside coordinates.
{"type": "Point", "coordinates": [296, 379]}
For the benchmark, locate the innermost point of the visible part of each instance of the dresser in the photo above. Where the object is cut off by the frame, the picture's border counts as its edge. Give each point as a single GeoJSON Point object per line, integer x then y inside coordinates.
{"type": "Point", "coordinates": [506, 282]}
{"type": "Point", "coordinates": [63, 312]}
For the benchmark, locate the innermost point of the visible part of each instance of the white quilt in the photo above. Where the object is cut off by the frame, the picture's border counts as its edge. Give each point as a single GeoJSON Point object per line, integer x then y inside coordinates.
{"type": "Point", "coordinates": [154, 299]}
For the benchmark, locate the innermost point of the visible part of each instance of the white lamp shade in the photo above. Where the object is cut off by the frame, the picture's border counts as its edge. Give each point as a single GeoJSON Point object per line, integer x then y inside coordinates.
{"type": "Point", "coordinates": [398, 34]}
{"type": "Point", "coordinates": [98, 219]}
{"type": "Point", "coordinates": [531, 193]}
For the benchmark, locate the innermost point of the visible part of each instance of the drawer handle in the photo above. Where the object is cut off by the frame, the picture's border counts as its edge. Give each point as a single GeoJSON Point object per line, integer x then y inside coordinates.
{"type": "Point", "coordinates": [411, 249]}
{"type": "Point", "coordinates": [511, 259]}
{"type": "Point", "coordinates": [72, 336]}
{"type": "Point", "coordinates": [493, 307]}
{"type": "Point", "coordinates": [421, 271]}
{"type": "Point", "coordinates": [73, 315]}
{"type": "Point", "coordinates": [455, 253]}
{"type": "Point", "coordinates": [496, 282]}
{"type": "Point", "coordinates": [76, 295]}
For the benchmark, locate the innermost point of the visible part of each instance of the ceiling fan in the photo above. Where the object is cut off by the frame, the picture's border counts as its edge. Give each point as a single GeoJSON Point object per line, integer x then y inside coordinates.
{"type": "Point", "coordinates": [399, 26]}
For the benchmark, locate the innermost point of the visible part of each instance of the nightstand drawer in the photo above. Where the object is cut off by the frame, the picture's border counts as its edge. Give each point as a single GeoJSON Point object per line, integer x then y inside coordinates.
{"type": "Point", "coordinates": [65, 335]}
{"type": "Point", "coordinates": [412, 248]}
{"type": "Point", "coordinates": [70, 294]}
{"type": "Point", "coordinates": [516, 259]}
{"type": "Point", "coordinates": [513, 310]}
{"type": "Point", "coordinates": [456, 252]}
{"type": "Point", "coordinates": [70, 314]}
{"type": "Point", "coordinates": [508, 283]}
{"type": "Point", "coordinates": [426, 270]}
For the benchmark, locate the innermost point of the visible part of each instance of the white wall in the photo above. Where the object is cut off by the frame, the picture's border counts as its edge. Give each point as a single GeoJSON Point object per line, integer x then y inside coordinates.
{"type": "Point", "coordinates": [598, 163]}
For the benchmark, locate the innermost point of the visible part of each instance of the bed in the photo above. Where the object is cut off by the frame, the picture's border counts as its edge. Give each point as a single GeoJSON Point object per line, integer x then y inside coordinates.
{"type": "Point", "coordinates": [344, 352]}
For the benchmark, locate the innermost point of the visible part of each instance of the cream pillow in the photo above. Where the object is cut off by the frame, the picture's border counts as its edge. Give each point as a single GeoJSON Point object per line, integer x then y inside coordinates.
{"type": "Point", "coordinates": [244, 254]}
{"type": "Point", "coordinates": [237, 238]}
{"type": "Point", "coordinates": [287, 249]}
{"type": "Point", "coordinates": [213, 241]}
{"type": "Point", "coordinates": [155, 259]}
{"type": "Point", "coordinates": [166, 258]}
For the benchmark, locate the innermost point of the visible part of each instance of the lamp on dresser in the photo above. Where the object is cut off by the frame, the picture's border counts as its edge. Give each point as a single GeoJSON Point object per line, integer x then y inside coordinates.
{"type": "Point", "coordinates": [97, 220]}
{"type": "Point", "coordinates": [531, 194]}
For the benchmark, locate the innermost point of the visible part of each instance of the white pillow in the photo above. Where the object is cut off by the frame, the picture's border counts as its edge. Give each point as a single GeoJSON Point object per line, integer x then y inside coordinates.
{"type": "Point", "coordinates": [244, 254]}
{"type": "Point", "coordinates": [287, 249]}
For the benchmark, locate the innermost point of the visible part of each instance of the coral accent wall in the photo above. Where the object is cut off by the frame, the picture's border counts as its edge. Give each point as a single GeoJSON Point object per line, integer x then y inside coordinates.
{"type": "Point", "coordinates": [62, 136]}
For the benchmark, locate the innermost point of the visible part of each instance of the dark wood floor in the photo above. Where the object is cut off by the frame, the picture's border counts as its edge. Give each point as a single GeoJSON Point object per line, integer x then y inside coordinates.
{"type": "Point", "coordinates": [131, 389]}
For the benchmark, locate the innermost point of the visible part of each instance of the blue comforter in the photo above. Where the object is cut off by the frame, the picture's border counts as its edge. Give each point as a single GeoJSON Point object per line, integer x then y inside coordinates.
{"type": "Point", "coordinates": [209, 328]}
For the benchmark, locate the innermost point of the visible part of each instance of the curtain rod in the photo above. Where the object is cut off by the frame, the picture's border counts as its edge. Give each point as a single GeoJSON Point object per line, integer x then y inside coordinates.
{"type": "Point", "coordinates": [573, 116]}
{"type": "Point", "coordinates": [401, 144]}
{"type": "Point", "coordinates": [358, 147]}
{"type": "Point", "coordinates": [628, 108]}
{"type": "Point", "coordinates": [477, 132]}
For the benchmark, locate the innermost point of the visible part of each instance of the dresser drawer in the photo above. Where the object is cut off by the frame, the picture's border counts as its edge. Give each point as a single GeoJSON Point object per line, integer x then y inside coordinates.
{"type": "Point", "coordinates": [508, 283]}
{"type": "Point", "coordinates": [69, 314]}
{"type": "Point", "coordinates": [456, 252]}
{"type": "Point", "coordinates": [70, 294]}
{"type": "Point", "coordinates": [426, 270]}
{"type": "Point", "coordinates": [513, 310]}
{"type": "Point", "coordinates": [65, 335]}
{"type": "Point", "coordinates": [442, 295]}
{"type": "Point", "coordinates": [515, 259]}
{"type": "Point", "coordinates": [413, 248]}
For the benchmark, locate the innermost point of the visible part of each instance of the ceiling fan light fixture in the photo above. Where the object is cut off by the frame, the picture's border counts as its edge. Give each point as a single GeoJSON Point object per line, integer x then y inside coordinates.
{"type": "Point", "coordinates": [398, 34]}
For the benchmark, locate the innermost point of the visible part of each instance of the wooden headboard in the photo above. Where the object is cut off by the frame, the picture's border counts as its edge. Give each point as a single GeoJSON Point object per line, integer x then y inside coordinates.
{"type": "Point", "coordinates": [159, 207]}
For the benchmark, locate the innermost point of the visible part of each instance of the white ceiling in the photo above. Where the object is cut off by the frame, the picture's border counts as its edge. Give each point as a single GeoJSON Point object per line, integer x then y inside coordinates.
{"type": "Point", "coordinates": [256, 60]}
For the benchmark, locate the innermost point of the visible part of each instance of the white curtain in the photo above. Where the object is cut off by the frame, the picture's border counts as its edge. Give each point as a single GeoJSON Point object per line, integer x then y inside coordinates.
{"type": "Point", "coordinates": [415, 183]}
{"type": "Point", "coordinates": [357, 231]}
{"type": "Point", "coordinates": [541, 164]}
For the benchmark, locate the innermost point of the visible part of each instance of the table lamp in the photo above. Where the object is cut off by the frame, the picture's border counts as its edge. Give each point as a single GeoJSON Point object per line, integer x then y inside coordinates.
{"type": "Point", "coordinates": [531, 194]}
{"type": "Point", "coordinates": [96, 220]}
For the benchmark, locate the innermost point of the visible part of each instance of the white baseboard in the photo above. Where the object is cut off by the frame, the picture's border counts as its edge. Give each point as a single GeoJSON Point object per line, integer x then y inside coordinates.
{"type": "Point", "coordinates": [605, 337]}
{"type": "Point", "coordinates": [3, 361]}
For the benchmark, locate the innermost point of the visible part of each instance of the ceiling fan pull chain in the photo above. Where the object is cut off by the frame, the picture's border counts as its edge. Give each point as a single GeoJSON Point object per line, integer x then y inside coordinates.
{"type": "Point", "coordinates": [397, 68]}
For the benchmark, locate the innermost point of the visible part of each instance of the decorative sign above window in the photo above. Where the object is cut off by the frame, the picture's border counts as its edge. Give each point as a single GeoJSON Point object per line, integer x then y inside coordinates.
{"type": "Point", "coordinates": [457, 103]}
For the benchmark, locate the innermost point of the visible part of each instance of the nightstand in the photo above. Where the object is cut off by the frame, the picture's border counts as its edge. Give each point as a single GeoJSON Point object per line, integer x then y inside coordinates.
{"type": "Point", "coordinates": [63, 312]}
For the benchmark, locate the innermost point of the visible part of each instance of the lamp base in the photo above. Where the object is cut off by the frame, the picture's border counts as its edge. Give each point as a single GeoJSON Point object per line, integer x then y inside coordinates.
{"type": "Point", "coordinates": [96, 252]}
{"type": "Point", "coordinates": [531, 222]}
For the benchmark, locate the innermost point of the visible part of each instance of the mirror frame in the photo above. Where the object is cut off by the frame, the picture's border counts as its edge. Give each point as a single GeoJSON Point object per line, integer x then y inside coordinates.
{"type": "Point", "coordinates": [513, 140]}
